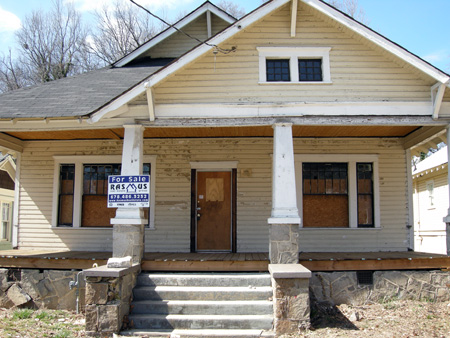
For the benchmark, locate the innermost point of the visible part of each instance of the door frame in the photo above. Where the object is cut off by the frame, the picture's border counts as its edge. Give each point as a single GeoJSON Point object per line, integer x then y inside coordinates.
{"type": "Point", "coordinates": [230, 166]}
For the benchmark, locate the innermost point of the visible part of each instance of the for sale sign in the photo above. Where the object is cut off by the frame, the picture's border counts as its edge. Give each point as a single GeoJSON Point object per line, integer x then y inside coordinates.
{"type": "Point", "coordinates": [128, 191]}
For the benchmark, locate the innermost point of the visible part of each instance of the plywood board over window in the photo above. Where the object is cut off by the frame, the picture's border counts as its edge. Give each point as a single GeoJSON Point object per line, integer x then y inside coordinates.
{"type": "Point", "coordinates": [325, 195]}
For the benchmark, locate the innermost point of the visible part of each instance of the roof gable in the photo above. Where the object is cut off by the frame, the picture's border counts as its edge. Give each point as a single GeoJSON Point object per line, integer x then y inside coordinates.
{"type": "Point", "coordinates": [206, 10]}
{"type": "Point", "coordinates": [258, 14]}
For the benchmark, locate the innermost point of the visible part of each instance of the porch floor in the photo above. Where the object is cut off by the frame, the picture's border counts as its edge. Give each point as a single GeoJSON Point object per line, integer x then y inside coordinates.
{"type": "Point", "coordinates": [315, 261]}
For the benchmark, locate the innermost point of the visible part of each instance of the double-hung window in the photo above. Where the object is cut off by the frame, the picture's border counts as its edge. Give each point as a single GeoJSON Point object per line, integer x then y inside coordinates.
{"type": "Point", "coordinates": [338, 191]}
{"type": "Point", "coordinates": [81, 189]}
{"type": "Point", "coordinates": [308, 65]}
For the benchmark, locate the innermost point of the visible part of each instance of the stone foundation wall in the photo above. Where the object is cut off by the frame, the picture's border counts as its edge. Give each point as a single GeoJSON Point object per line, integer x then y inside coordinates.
{"type": "Point", "coordinates": [343, 288]}
{"type": "Point", "coordinates": [39, 289]}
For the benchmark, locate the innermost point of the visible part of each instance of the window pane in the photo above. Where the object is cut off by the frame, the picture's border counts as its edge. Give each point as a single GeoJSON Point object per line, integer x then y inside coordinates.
{"type": "Point", "coordinates": [278, 70]}
{"type": "Point", "coordinates": [365, 194]}
{"type": "Point", "coordinates": [310, 69]}
{"type": "Point", "coordinates": [66, 189]}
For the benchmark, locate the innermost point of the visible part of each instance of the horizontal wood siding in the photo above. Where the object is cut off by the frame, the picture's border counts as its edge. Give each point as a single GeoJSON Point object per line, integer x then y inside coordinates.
{"type": "Point", "coordinates": [178, 43]}
{"type": "Point", "coordinates": [172, 214]}
{"type": "Point", "coordinates": [360, 71]}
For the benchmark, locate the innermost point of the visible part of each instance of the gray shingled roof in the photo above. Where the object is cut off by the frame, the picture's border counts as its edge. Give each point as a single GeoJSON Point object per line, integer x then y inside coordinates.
{"type": "Point", "coordinates": [74, 96]}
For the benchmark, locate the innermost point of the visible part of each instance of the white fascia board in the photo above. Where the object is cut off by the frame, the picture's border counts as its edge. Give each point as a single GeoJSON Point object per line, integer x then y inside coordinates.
{"type": "Point", "coordinates": [379, 40]}
{"type": "Point", "coordinates": [216, 40]}
{"type": "Point", "coordinates": [169, 31]}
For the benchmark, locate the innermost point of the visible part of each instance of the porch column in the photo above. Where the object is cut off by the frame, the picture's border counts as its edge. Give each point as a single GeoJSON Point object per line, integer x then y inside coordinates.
{"type": "Point", "coordinates": [447, 218]}
{"type": "Point", "coordinates": [284, 221]}
{"type": "Point", "coordinates": [128, 225]}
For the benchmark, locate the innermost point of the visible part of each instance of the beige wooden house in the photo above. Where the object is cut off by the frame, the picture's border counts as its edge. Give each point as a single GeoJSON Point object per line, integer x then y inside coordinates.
{"type": "Point", "coordinates": [293, 114]}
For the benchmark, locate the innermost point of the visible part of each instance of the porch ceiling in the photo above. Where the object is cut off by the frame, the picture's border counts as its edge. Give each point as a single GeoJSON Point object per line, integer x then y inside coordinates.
{"type": "Point", "coordinates": [200, 132]}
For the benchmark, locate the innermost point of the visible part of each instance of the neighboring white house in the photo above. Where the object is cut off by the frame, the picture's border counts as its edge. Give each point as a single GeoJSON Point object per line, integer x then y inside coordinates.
{"type": "Point", "coordinates": [7, 175]}
{"type": "Point", "coordinates": [431, 203]}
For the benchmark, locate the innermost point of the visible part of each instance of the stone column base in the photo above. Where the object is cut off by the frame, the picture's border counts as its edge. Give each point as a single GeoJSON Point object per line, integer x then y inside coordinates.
{"type": "Point", "coordinates": [283, 247]}
{"type": "Point", "coordinates": [128, 240]}
{"type": "Point", "coordinates": [290, 283]}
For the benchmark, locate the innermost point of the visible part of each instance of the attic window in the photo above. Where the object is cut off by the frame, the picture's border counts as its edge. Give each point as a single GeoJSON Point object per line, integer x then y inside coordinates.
{"type": "Point", "coordinates": [307, 65]}
{"type": "Point", "coordinates": [278, 70]}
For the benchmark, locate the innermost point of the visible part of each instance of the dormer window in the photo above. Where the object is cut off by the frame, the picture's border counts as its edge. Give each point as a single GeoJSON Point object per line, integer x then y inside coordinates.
{"type": "Point", "coordinates": [308, 65]}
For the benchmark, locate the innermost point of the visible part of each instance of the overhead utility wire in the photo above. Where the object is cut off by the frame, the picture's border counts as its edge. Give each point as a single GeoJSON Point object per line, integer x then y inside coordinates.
{"type": "Point", "coordinates": [216, 48]}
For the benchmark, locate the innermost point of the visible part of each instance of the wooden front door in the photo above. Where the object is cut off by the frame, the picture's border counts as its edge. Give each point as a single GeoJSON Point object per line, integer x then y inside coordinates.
{"type": "Point", "coordinates": [213, 211]}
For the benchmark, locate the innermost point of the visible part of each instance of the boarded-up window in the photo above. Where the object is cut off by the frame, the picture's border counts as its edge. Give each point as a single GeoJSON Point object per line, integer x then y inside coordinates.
{"type": "Point", "coordinates": [95, 212]}
{"type": "Point", "coordinates": [325, 195]}
{"type": "Point", "coordinates": [66, 188]}
{"type": "Point", "coordinates": [365, 195]}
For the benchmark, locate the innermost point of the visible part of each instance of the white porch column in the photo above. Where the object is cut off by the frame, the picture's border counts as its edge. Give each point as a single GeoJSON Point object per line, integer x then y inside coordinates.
{"type": "Point", "coordinates": [284, 221]}
{"type": "Point", "coordinates": [128, 225]}
{"type": "Point", "coordinates": [447, 218]}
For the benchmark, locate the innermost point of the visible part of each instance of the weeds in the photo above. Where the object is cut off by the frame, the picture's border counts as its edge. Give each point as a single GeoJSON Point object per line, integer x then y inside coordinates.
{"type": "Point", "coordinates": [27, 323]}
{"type": "Point", "coordinates": [22, 314]}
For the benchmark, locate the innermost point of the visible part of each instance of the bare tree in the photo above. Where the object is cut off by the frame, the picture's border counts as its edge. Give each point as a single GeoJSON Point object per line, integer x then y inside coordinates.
{"type": "Point", "coordinates": [350, 7]}
{"type": "Point", "coordinates": [232, 8]}
{"type": "Point", "coordinates": [51, 43]}
{"type": "Point", "coordinates": [120, 30]}
{"type": "Point", "coordinates": [12, 74]}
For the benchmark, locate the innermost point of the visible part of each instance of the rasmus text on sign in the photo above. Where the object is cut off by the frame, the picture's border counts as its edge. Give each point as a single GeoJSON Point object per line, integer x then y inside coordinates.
{"type": "Point", "coordinates": [128, 191]}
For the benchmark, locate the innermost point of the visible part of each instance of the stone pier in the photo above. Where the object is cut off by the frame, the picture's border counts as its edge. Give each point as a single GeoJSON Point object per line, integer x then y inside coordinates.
{"type": "Point", "coordinates": [290, 283]}
{"type": "Point", "coordinates": [108, 298]}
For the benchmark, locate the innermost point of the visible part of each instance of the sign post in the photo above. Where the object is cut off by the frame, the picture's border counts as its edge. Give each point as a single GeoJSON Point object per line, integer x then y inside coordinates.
{"type": "Point", "coordinates": [128, 191]}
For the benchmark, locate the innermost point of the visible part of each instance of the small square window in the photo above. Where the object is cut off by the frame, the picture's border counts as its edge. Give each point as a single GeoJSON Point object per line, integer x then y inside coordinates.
{"type": "Point", "coordinates": [310, 70]}
{"type": "Point", "coordinates": [278, 70]}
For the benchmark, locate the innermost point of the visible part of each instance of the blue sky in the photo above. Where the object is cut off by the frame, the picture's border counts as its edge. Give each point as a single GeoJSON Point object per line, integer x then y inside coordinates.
{"type": "Point", "coordinates": [422, 27]}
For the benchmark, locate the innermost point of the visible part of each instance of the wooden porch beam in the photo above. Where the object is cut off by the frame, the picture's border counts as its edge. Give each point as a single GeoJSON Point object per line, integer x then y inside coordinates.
{"type": "Point", "coordinates": [303, 120]}
{"type": "Point", "coordinates": [294, 9]}
{"type": "Point", "coordinates": [422, 136]}
{"type": "Point", "coordinates": [11, 143]}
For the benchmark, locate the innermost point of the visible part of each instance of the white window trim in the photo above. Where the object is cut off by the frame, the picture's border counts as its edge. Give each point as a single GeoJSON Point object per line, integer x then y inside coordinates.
{"type": "Point", "coordinates": [214, 166]}
{"type": "Point", "coordinates": [294, 54]}
{"type": "Point", "coordinates": [351, 159]}
{"type": "Point", "coordinates": [79, 161]}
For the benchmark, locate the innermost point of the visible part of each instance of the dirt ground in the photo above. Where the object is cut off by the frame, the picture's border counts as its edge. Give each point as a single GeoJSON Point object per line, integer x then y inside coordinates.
{"type": "Point", "coordinates": [389, 319]}
{"type": "Point", "coordinates": [392, 318]}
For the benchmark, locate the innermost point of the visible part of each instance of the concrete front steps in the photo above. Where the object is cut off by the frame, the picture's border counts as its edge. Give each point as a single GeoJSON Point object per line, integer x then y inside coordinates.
{"type": "Point", "coordinates": [202, 305]}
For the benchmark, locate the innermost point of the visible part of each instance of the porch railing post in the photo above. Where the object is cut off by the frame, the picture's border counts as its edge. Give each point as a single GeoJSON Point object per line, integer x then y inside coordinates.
{"type": "Point", "coordinates": [447, 218]}
{"type": "Point", "coordinates": [128, 225]}
{"type": "Point", "coordinates": [284, 221]}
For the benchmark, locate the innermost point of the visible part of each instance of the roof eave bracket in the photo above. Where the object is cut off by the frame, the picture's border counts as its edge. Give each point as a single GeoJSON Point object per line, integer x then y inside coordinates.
{"type": "Point", "coordinates": [294, 9]}
{"type": "Point", "coordinates": [437, 95]}
{"type": "Point", "coordinates": [150, 103]}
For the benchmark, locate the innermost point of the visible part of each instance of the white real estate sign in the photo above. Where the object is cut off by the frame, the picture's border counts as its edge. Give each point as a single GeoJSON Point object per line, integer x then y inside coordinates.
{"type": "Point", "coordinates": [129, 191]}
